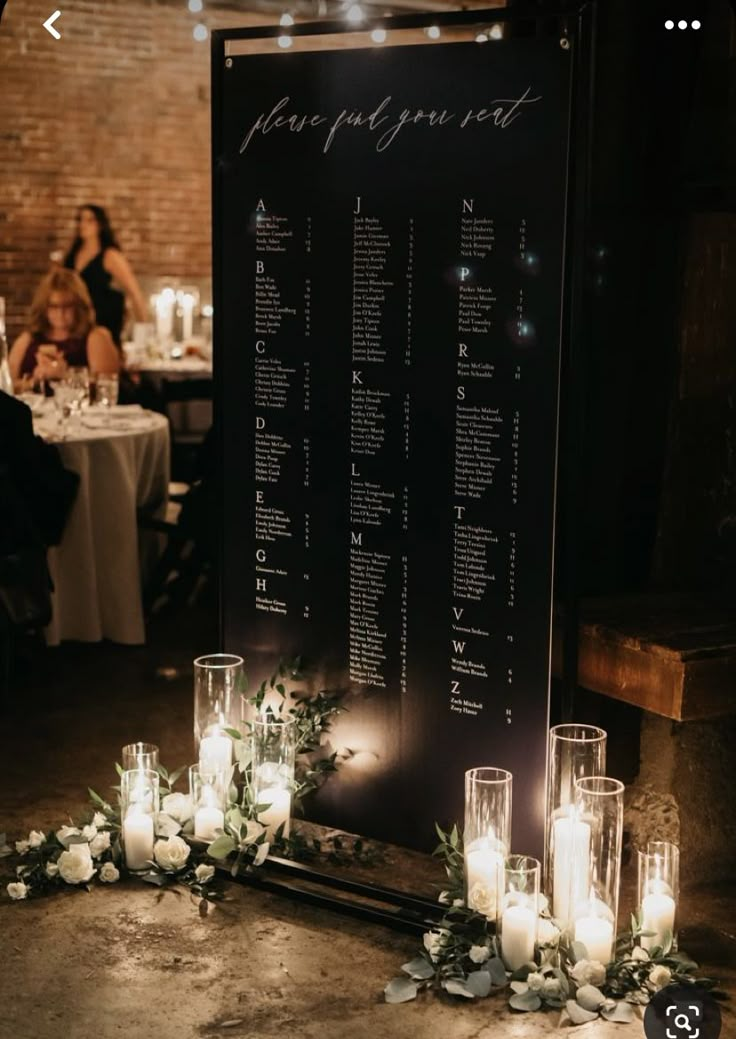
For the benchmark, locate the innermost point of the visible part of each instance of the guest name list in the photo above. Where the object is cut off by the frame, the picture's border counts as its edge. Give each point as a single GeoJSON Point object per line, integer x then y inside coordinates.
{"type": "Point", "coordinates": [390, 378]}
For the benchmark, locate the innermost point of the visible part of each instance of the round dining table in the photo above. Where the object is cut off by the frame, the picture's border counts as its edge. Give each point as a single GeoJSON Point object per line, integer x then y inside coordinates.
{"type": "Point", "coordinates": [121, 455]}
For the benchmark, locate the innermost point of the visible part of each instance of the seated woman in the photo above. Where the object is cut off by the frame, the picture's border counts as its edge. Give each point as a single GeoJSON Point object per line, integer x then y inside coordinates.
{"type": "Point", "coordinates": [62, 332]}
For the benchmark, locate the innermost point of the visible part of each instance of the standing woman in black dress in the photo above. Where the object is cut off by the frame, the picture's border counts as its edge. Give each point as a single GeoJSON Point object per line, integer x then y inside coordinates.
{"type": "Point", "coordinates": [97, 259]}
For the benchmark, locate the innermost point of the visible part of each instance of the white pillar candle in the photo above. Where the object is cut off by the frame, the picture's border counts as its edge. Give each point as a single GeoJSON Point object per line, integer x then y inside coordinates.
{"type": "Point", "coordinates": [187, 318]}
{"type": "Point", "coordinates": [658, 915]}
{"type": "Point", "coordinates": [207, 819]}
{"type": "Point", "coordinates": [278, 811]}
{"type": "Point", "coordinates": [484, 866]}
{"type": "Point", "coordinates": [518, 936]}
{"type": "Point", "coordinates": [571, 861]}
{"type": "Point", "coordinates": [138, 838]}
{"type": "Point", "coordinates": [216, 753]}
{"type": "Point", "coordinates": [596, 934]}
{"type": "Point", "coordinates": [165, 314]}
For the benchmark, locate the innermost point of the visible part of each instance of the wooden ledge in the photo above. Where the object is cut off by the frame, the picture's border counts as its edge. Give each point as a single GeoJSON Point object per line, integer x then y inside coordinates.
{"type": "Point", "coordinates": [670, 655]}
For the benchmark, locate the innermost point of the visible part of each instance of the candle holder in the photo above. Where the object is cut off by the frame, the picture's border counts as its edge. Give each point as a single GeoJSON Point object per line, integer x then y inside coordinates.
{"type": "Point", "coordinates": [575, 751]}
{"type": "Point", "coordinates": [486, 837]}
{"type": "Point", "coordinates": [208, 790]}
{"type": "Point", "coordinates": [138, 810]}
{"type": "Point", "coordinates": [136, 756]}
{"type": "Point", "coordinates": [274, 755]}
{"type": "Point", "coordinates": [218, 681]}
{"type": "Point", "coordinates": [599, 803]}
{"type": "Point", "coordinates": [519, 912]}
{"type": "Point", "coordinates": [659, 890]}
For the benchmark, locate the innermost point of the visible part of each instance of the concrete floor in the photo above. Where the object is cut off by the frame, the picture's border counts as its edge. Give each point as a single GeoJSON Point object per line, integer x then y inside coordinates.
{"type": "Point", "coordinates": [126, 961]}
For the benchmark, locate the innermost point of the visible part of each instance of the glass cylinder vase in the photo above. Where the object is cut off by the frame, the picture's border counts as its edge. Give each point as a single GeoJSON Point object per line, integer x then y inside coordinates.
{"type": "Point", "coordinates": [659, 890]}
{"type": "Point", "coordinates": [139, 792]}
{"type": "Point", "coordinates": [486, 837]}
{"type": "Point", "coordinates": [274, 741]}
{"type": "Point", "coordinates": [208, 790]}
{"type": "Point", "coordinates": [139, 756]}
{"type": "Point", "coordinates": [519, 912]}
{"type": "Point", "coordinates": [218, 683]}
{"type": "Point", "coordinates": [599, 803]}
{"type": "Point", "coordinates": [575, 751]}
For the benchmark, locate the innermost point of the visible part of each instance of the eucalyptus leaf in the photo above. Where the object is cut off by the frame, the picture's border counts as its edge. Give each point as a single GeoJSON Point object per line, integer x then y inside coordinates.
{"type": "Point", "coordinates": [589, 997]}
{"type": "Point", "coordinates": [221, 847]}
{"type": "Point", "coordinates": [523, 972]}
{"type": "Point", "coordinates": [419, 968]}
{"type": "Point", "coordinates": [578, 1016]}
{"type": "Point", "coordinates": [496, 969]}
{"type": "Point", "coordinates": [621, 1013]}
{"type": "Point", "coordinates": [526, 1001]}
{"type": "Point", "coordinates": [578, 952]}
{"type": "Point", "coordinates": [519, 986]}
{"type": "Point", "coordinates": [157, 879]}
{"type": "Point", "coordinates": [457, 987]}
{"type": "Point", "coordinates": [479, 983]}
{"type": "Point", "coordinates": [400, 990]}
{"type": "Point", "coordinates": [234, 734]}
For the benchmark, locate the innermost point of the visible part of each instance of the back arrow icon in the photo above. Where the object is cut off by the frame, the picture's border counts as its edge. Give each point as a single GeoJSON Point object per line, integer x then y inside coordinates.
{"type": "Point", "coordinates": [49, 25]}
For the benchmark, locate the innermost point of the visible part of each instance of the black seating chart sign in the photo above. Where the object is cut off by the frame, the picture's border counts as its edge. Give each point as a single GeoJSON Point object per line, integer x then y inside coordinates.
{"type": "Point", "coordinates": [389, 238]}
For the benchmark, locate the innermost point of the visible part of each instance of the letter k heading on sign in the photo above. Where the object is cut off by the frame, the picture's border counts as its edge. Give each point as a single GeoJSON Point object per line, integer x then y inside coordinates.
{"type": "Point", "coordinates": [49, 25]}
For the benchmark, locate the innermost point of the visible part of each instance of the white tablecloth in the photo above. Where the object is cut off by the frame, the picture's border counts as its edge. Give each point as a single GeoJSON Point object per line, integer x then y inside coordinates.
{"type": "Point", "coordinates": [123, 463]}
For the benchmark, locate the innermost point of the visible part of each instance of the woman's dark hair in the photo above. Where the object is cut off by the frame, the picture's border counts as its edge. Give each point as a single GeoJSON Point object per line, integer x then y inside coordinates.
{"type": "Point", "coordinates": [107, 235]}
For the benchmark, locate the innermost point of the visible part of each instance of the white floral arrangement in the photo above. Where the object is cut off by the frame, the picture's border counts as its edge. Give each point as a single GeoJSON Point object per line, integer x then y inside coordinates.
{"type": "Point", "coordinates": [461, 956]}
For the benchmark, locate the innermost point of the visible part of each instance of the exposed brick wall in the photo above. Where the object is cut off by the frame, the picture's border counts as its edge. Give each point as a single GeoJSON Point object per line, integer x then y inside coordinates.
{"type": "Point", "coordinates": [115, 113]}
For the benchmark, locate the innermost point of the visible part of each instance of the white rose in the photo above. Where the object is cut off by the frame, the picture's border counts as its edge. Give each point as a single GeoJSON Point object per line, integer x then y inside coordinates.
{"type": "Point", "coordinates": [36, 838]}
{"type": "Point", "coordinates": [75, 865]}
{"type": "Point", "coordinates": [552, 988]}
{"type": "Point", "coordinates": [433, 942]}
{"type": "Point", "coordinates": [172, 853]}
{"type": "Point", "coordinates": [18, 890]}
{"type": "Point", "coordinates": [99, 820]}
{"type": "Point", "coordinates": [22, 847]}
{"type": "Point", "coordinates": [99, 844]}
{"type": "Point", "coordinates": [588, 972]}
{"type": "Point", "coordinates": [457, 903]}
{"type": "Point", "coordinates": [535, 981]}
{"type": "Point", "coordinates": [203, 873]}
{"type": "Point", "coordinates": [52, 870]}
{"type": "Point", "coordinates": [483, 900]}
{"type": "Point", "coordinates": [109, 873]}
{"type": "Point", "coordinates": [660, 976]}
{"type": "Point", "coordinates": [89, 832]}
{"type": "Point", "coordinates": [479, 953]}
{"type": "Point", "coordinates": [66, 831]}
{"type": "Point", "coordinates": [253, 830]}
{"type": "Point", "coordinates": [178, 806]}
{"type": "Point", "coordinates": [547, 932]}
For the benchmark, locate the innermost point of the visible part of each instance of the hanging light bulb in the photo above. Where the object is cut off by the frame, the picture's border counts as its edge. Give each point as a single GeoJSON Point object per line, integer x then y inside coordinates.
{"type": "Point", "coordinates": [286, 19]}
{"type": "Point", "coordinates": [195, 6]}
{"type": "Point", "coordinates": [378, 35]}
{"type": "Point", "coordinates": [496, 32]}
{"type": "Point", "coordinates": [481, 38]}
{"type": "Point", "coordinates": [284, 41]}
{"type": "Point", "coordinates": [433, 31]}
{"type": "Point", "coordinates": [354, 13]}
{"type": "Point", "coordinates": [199, 32]}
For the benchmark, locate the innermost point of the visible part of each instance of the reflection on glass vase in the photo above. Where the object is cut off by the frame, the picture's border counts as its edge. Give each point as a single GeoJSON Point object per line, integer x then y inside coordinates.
{"type": "Point", "coordinates": [208, 790]}
{"type": "Point", "coordinates": [139, 790]}
{"type": "Point", "coordinates": [659, 888]}
{"type": "Point", "coordinates": [519, 912]}
{"type": "Point", "coordinates": [273, 759]}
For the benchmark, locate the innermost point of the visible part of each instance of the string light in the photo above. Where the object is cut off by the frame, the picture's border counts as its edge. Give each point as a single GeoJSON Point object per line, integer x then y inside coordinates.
{"type": "Point", "coordinates": [195, 6]}
{"type": "Point", "coordinates": [433, 31]}
{"type": "Point", "coordinates": [199, 32]}
{"type": "Point", "coordinates": [378, 35]}
{"type": "Point", "coordinates": [354, 13]}
{"type": "Point", "coordinates": [285, 41]}
{"type": "Point", "coordinates": [286, 19]}
{"type": "Point", "coordinates": [481, 38]}
{"type": "Point", "coordinates": [496, 32]}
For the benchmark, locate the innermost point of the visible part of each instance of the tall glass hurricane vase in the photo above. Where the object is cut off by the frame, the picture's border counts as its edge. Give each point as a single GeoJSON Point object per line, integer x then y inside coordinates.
{"type": "Point", "coordinates": [599, 803]}
{"type": "Point", "coordinates": [274, 740]}
{"type": "Point", "coordinates": [486, 837]}
{"type": "Point", "coordinates": [218, 684]}
{"type": "Point", "coordinates": [575, 751]}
